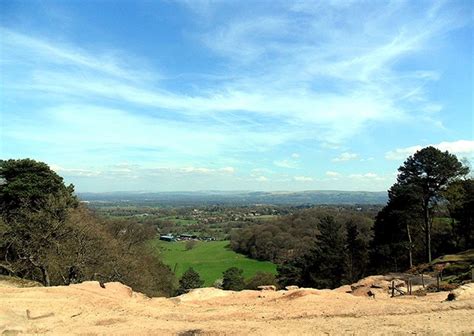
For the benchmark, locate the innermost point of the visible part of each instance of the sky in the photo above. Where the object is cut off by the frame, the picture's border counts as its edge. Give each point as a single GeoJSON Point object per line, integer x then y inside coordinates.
{"type": "Point", "coordinates": [234, 95]}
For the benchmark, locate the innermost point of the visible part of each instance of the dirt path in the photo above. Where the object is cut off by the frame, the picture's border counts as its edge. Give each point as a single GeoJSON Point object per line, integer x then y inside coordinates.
{"type": "Point", "coordinates": [88, 309]}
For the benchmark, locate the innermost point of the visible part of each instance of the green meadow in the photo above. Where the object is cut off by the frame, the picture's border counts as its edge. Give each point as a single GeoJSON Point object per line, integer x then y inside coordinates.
{"type": "Point", "coordinates": [209, 259]}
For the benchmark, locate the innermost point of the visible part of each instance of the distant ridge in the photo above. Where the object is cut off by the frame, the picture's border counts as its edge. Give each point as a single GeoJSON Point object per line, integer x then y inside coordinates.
{"type": "Point", "coordinates": [184, 198]}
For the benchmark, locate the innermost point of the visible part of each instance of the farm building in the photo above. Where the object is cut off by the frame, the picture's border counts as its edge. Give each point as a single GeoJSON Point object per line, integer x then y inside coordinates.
{"type": "Point", "coordinates": [168, 238]}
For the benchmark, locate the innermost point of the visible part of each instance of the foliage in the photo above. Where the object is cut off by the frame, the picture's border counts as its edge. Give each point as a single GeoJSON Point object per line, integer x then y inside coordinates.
{"type": "Point", "coordinates": [340, 255]}
{"type": "Point", "coordinates": [288, 237]}
{"type": "Point", "coordinates": [189, 280]}
{"type": "Point", "coordinates": [46, 236]}
{"type": "Point", "coordinates": [293, 272]}
{"type": "Point", "coordinates": [460, 197]}
{"type": "Point", "coordinates": [397, 232]}
{"type": "Point", "coordinates": [233, 279]}
{"type": "Point", "coordinates": [405, 231]}
{"type": "Point", "coordinates": [428, 173]}
{"type": "Point", "coordinates": [30, 184]}
{"type": "Point", "coordinates": [357, 243]}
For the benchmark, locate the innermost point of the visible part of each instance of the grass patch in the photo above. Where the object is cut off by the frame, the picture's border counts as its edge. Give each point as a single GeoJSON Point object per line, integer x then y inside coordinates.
{"type": "Point", "coordinates": [209, 259]}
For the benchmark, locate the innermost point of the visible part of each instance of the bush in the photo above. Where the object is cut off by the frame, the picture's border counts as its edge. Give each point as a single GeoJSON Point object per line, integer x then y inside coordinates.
{"type": "Point", "coordinates": [190, 244]}
{"type": "Point", "coordinates": [233, 279]}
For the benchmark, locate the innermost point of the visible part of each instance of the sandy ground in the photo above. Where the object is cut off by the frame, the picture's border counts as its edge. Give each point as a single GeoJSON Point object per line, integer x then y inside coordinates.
{"type": "Point", "coordinates": [88, 309]}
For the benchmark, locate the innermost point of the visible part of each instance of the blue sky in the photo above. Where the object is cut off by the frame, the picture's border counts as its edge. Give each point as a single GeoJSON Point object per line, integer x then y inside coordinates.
{"type": "Point", "coordinates": [234, 95]}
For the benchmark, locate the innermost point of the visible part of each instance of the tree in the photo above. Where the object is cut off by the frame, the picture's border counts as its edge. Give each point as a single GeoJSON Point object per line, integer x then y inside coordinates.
{"type": "Point", "coordinates": [189, 280]}
{"type": "Point", "coordinates": [328, 258]}
{"type": "Point", "coordinates": [35, 205]}
{"type": "Point", "coordinates": [357, 249]}
{"type": "Point", "coordinates": [293, 272]}
{"type": "Point", "coordinates": [45, 235]}
{"type": "Point", "coordinates": [428, 172]}
{"type": "Point", "coordinates": [460, 197]}
{"type": "Point", "coordinates": [233, 279]}
{"type": "Point", "coordinates": [30, 184]}
{"type": "Point", "coordinates": [322, 266]}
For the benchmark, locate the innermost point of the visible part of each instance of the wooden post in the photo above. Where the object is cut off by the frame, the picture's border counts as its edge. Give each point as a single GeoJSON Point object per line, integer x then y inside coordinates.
{"type": "Point", "coordinates": [437, 281]}
{"type": "Point", "coordinates": [393, 288]}
{"type": "Point", "coordinates": [423, 280]}
{"type": "Point", "coordinates": [409, 286]}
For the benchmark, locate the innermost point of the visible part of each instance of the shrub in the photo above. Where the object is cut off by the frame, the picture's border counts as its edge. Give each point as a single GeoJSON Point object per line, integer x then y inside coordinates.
{"type": "Point", "coordinates": [233, 279]}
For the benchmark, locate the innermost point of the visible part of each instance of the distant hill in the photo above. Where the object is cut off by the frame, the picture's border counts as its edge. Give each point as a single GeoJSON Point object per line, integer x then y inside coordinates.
{"type": "Point", "coordinates": [239, 197]}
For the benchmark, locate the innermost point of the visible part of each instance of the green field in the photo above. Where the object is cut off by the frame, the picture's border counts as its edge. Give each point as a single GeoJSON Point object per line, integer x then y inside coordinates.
{"type": "Point", "coordinates": [209, 259]}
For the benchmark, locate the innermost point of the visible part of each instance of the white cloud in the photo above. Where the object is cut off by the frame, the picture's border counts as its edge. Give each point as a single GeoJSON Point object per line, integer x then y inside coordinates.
{"type": "Point", "coordinates": [261, 179]}
{"type": "Point", "coordinates": [295, 156]}
{"type": "Point", "coordinates": [196, 170]}
{"type": "Point", "coordinates": [303, 179]}
{"type": "Point", "coordinates": [332, 174]}
{"type": "Point", "coordinates": [229, 170]}
{"type": "Point", "coordinates": [286, 164]}
{"type": "Point", "coordinates": [460, 147]}
{"type": "Point", "coordinates": [346, 156]}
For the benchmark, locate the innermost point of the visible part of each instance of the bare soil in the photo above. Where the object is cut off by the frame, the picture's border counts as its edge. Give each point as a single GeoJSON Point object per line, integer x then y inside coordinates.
{"type": "Point", "coordinates": [88, 309]}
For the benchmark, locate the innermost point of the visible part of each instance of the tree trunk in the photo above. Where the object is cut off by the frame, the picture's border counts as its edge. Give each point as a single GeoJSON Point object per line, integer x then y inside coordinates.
{"type": "Point", "coordinates": [45, 274]}
{"type": "Point", "coordinates": [426, 218]}
{"type": "Point", "coordinates": [410, 247]}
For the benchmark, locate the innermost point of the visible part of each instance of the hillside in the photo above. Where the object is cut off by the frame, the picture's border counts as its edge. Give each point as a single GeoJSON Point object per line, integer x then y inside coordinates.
{"type": "Point", "coordinates": [88, 309]}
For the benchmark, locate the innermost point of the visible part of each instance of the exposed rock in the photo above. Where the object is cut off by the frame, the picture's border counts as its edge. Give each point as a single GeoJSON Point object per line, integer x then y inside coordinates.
{"type": "Point", "coordinates": [464, 292]}
{"type": "Point", "coordinates": [268, 287]}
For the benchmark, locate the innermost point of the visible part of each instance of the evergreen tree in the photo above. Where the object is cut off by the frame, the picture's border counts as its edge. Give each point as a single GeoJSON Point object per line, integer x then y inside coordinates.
{"type": "Point", "coordinates": [327, 265]}
{"type": "Point", "coordinates": [188, 281]}
{"type": "Point", "coordinates": [357, 252]}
